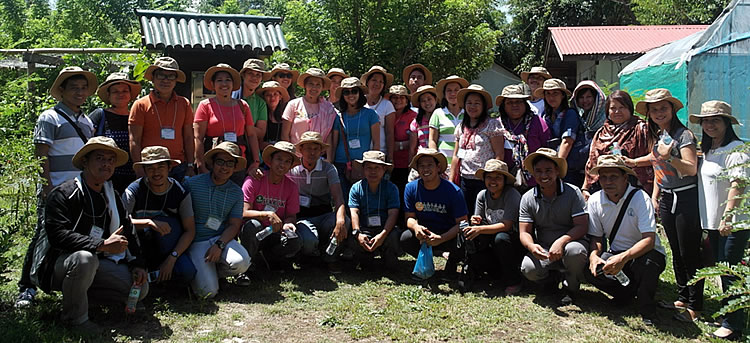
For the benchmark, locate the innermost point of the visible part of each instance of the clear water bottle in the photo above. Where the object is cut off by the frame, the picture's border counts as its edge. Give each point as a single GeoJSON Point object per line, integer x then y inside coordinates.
{"type": "Point", "coordinates": [666, 139]}
{"type": "Point", "coordinates": [332, 246]}
{"type": "Point", "coordinates": [624, 279]}
{"type": "Point", "coordinates": [616, 149]}
{"type": "Point", "coordinates": [262, 234]}
{"type": "Point", "coordinates": [135, 293]}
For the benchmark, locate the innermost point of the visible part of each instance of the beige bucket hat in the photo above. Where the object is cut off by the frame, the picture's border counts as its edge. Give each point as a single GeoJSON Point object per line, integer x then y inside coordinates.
{"type": "Point", "coordinates": [444, 82]}
{"type": "Point", "coordinates": [561, 163]}
{"type": "Point", "coordinates": [397, 90]}
{"type": "Point", "coordinates": [535, 70]}
{"type": "Point", "coordinates": [100, 143]}
{"type": "Point", "coordinates": [311, 137]}
{"type": "Point", "coordinates": [66, 73]}
{"type": "Point", "coordinates": [273, 86]}
{"type": "Point", "coordinates": [550, 85]}
{"type": "Point", "coordinates": [314, 72]}
{"type": "Point", "coordinates": [229, 148]}
{"type": "Point", "coordinates": [166, 63]}
{"type": "Point", "coordinates": [336, 72]}
{"type": "Point", "coordinates": [442, 162]}
{"type": "Point", "coordinates": [475, 89]}
{"type": "Point", "coordinates": [155, 154]}
{"type": "Point", "coordinates": [422, 90]}
{"type": "Point", "coordinates": [236, 78]}
{"type": "Point", "coordinates": [714, 108]}
{"type": "Point", "coordinates": [410, 68]}
{"type": "Point", "coordinates": [494, 165]}
{"type": "Point", "coordinates": [611, 161]}
{"type": "Point", "coordinates": [511, 92]}
{"type": "Point", "coordinates": [377, 69]}
{"type": "Point", "coordinates": [255, 64]}
{"type": "Point", "coordinates": [349, 83]}
{"type": "Point", "coordinates": [282, 146]}
{"type": "Point", "coordinates": [113, 79]}
{"type": "Point", "coordinates": [284, 67]}
{"type": "Point", "coordinates": [656, 95]}
{"type": "Point", "coordinates": [375, 156]}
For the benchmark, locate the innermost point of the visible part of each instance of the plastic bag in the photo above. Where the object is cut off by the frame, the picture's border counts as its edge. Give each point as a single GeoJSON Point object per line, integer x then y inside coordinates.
{"type": "Point", "coordinates": [424, 268]}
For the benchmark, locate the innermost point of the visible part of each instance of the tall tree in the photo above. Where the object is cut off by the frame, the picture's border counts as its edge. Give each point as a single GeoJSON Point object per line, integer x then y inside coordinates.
{"type": "Point", "coordinates": [677, 12]}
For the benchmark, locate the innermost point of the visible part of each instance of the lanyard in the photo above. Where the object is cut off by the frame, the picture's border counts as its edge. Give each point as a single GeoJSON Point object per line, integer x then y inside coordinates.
{"type": "Point", "coordinates": [164, 204]}
{"type": "Point", "coordinates": [174, 119]}
{"type": "Point", "coordinates": [367, 198]}
{"type": "Point", "coordinates": [359, 121]}
{"type": "Point", "coordinates": [221, 112]}
{"type": "Point", "coordinates": [95, 216]}
{"type": "Point", "coordinates": [278, 193]}
{"type": "Point", "coordinates": [210, 202]}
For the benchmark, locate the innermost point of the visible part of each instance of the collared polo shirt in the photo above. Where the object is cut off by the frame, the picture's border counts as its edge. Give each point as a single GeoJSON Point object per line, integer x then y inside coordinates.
{"type": "Point", "coordinates": [55, 131]}
{"type": "Point", "coordinates": [316, 185]}
{"type": "Point", "coordinates": [153, 114]}
{"type": "Point", "coordinates": [552, 218]}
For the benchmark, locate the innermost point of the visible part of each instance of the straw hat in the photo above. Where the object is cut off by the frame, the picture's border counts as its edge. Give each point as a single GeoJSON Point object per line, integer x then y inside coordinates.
{"type": "Point", "coordinates": [397, 90]}
{"type": "Point", "coordinates": [444, 82]}
{"type": "Point", "coordinates": [282, 146]}
{"type": "Point", "coordinates": [314, 72]}
{"type": "Point", "coordinates": [535, 70]}
{"type": "Point", "coordinates": [714, 108]}
{"type": "Point", "coordinates": [273, 86]}
{"type": "Point", "coordinates": [255, 64]}
{"type": "Point", "coordinates": [66, 73]}
{"type": "Point", "coordinates": [100, 143]}
{"type": "Point", "coordinates": [166, 63]}
{"type": "Point", "coordinates": [511, 92]}
{"type": "Point", "coordinates": [656, 95]}
{"type": "Point", "coordinates": [422, 90]}
{"type": "Point", "coordinates": [284, 67]}
{"type": "Point", "coordinates": [550, 85]}
{"type": "Point", "coordinates": [377, 69]}
{"type": "Point", "coordinates": [229, 148]}
{"type": "Point", "coordinates": [493, 165]}
{"type": "Point", "coordinates": [113, 79]}
{"type": "Point", "coordinates": [442, 162]}
{"type": "Point", "coordinates": [311, 137]}
{"type": "Point", "coordinates": [475, 89]}
{"type": "Point", "coordinates": [375, 156]}
{"type": "Point", "coordinates": [155, 154]}
{"type": "Point", "coordinates": [336, 72]}
{"type": "Point", "coordinates": [611, 161]}
{"type": "Point", "coordinates": [349, 83]}
{"type": "Point", "coordinates": [551, 154]}
{"type": "Point", "coordinates": [209, 83]}
{"type": "Point", "coordinates": [427, 74]}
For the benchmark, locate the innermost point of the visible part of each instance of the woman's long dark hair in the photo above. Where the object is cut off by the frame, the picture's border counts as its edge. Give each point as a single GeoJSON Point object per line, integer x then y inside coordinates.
{"type": "Point", "coordinates": [623, 98]}
{"type": "Point", "coordinates": [466, 121]}
{"type": "Point", "coordinates": [564, 105]}
{"type": "Point", "coordinates": [729, 136]}
{"type": "Point", "coordinates": [279, 111]}
{"type": "Point", "coordinates": [343, 105]}
{"type": "Point", "coordinates": [421, 112]}
{"type": "Point", "coordinates": [653, 127]}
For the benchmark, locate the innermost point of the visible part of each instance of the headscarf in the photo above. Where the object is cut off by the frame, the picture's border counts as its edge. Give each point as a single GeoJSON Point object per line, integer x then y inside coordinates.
{"type": "Point", "coordinates": [595, 118]}
{"type": "Point", "coordinates": [519, 141]}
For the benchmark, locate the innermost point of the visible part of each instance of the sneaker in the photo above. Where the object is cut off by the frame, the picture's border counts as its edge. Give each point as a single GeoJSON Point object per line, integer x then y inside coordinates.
{"type": "Point", "coordinates": [242, 280]}
{"type": "Point", "coordinates": [647, 321]}
{"type": "Point", "coordinates": [567, 299]}
{"type": "Point", "coordinates": [512, 290]}
{"type": "Point", "coordinates": [26, 298]}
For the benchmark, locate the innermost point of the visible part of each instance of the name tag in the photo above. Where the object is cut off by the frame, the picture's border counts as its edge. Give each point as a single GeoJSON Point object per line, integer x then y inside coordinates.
{"type": "Point", "coordinates": [373, 221]}
{"type": "Point", "coordinates": [289, 233]}
{"type": "Point", "coordinates": [269, 208]}
{"type": "Point", "coordinates": [96, 232]}
{"type": "Point", "coordinates": [213, 223]}
{"type": "Point", "coordinates": [354, 143]}
{"type": "Point", "coordinates": [230, 137]}
{"type": "Point", "coordinates": [304, 201]}
{"type": "Point", "coordinates": [461, 153]}
{"type": "Point", "coordinates": [167, 133]}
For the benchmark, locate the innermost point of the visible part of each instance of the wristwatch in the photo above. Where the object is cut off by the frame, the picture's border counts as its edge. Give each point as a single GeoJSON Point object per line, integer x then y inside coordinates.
{"type": "Point", "coordinates": [221, 244]}
{"type": "Point", "coordinates": [174, 254]}
{"type": "Point", "coordinates": [191, 165]}
{"type": "Point", "coordinates": [355, 232]}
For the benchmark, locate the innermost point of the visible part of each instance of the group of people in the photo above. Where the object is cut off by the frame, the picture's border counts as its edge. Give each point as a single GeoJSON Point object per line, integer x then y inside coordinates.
{"type": "Point", "coordinates": [561, 188]}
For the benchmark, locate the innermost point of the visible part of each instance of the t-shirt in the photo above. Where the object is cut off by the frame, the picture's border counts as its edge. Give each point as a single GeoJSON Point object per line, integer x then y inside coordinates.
{"type": "Point", "coordinates": [222, 202]}
{"type": "Point", "coordinates": [445, 123]}
{"type": "Point", "coordinates": [436, 209]}
{"type": "Point", "coordinates": [257, 105]}
{"type": "Point", "coordinates": [222, 119]}
{"type": "Point", "coordinates": [665, 175]}
{"type": "Point", "coordinates": [474, 150]}
{"type": "Point", "coordinates": [372, 204]}
{"type": "Point", "coordinates": [383, 108]}
{"type": "Point", "coordinates": [356, 127]}
{"type": "Point", "coordinates": [152, 114]}
{"type": "Point", "coordinates": [639, 219]}
{"type": "Point", "coordinates": [713, 190]}
{"type": "Point", "coordinates": [141, 202]}
{"type": "Point", "coordinates": [423, 131]}
{"type": "Point", "coordinates": [494, 211]}
{"type": "Point", "coordinates": [316, 186]}
{"type": "Point", "coordinates": [401, 134]}
{"type": "Point", "coordinates": [54, 130]}
{"type": "Point", "coordinates": [537, 106]}
{"type": "Point", "coordinates": [306, 116]}
{"type": "Point", "coordinates": [552, 218]}
{"type": "Point", "coordinates": [281, 198]}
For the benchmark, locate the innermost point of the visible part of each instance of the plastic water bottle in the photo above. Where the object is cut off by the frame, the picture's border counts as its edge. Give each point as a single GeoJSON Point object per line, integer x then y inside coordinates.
{"type": "Point", "coordinates": [624, 279]}
{"type": "Point", "coordinates": [261, 235]}
{"type": "Point", "coordinates": [666, 139]}
{"type": "Point", "coordinates": [135, 293]}
{"type": "Point", "coordinates": [332, 246]}
{"type": "Point", "coordinates": [616, 149]}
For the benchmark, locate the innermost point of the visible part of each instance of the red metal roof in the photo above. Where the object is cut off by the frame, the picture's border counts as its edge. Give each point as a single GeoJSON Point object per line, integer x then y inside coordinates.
{"type": "Point", "coordinates": [617, 40]}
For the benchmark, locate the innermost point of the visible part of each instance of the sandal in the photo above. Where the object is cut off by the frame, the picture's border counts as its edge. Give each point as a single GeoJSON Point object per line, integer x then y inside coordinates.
{"type": "Point", "coordinates": [671, 305]}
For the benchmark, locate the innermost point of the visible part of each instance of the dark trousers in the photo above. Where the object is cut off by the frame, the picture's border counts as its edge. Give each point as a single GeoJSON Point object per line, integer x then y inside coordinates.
{"type": "Point", "coordinates": [730, 249]}
{"type": "Point", "coordinates": [157, 248]}
{"type": "Point", "coordinates": [25, 280]}
{"type": "Point", "coordinates": [471, 188]}
{"type": "Point", "coordinates": [575, 178]}
{"type": "Point", "coordinates": [505, 255]}
{"type": "Point", "coordinates": [411, 245]}
{"type": "Point", "coordinates": [683, 229]}
{"type": "Point", "coordinates": [345, 184]}
{"type": "Point", "coordinates": [274, 247]}
{"type": "Point", "coordinates": [643, 273]}
{"type": "Point", "coordinates": [178, 172]}
{"type": "Point", "coordinates": [388, 250]}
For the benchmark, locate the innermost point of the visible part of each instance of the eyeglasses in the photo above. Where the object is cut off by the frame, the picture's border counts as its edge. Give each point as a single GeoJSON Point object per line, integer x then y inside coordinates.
{"type": "Point", "coordinates": [284, 75]}
{"type": "Point", "coordinates": [219, 162]}
{"type": "Point", "coordinates": [353, 91]}
{"type": "Point", "coordinates": [165, 76]}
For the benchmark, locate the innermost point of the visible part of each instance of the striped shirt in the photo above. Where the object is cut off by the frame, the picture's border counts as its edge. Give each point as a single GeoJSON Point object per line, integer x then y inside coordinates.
{"type": "Point", "coordinates": [316, 185]}
{"type": "Point", "coordinates": [445, 123]}
{"type": "Point", "coordinates": [55, 131]}
{"type": "Point", "coordinates": [209, 200]}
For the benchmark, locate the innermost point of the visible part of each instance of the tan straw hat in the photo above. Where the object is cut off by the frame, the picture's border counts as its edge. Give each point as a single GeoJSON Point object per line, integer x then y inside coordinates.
{"type": "Point", "coordinates": [229, 148]}
{"type": "Point", "coordinates": [377, 69]}
{"type": "Point", "coordinates": [442, 162]}
{"type": "Point", "coordinates": [611, 161]}
{"type": "Point", "coordinates": [422, 90]}
{"type": "Point", "coordinates": [255, 64]}
{"type": "Point", "coordinates": [550, 85]}
{"type": "Point", "coordinates": [562, 164]}
{"type": "Point", "coordinates": [336, 72]}
{"type": "Point", "coordinates": [375, 156]}
{"type": "Point", "coordinates": [348, 83]}
{"type": "Point", "coordinates": [444, 82]}
{"type": "Point", "coordinates": [535, 70]}
{"type": "Point", "coordinates": [494, 165]}
{"type": "Point", "coordinates": [66, 73]}
{"type": "Point", "coordinates": [475, 89]}
{"type": "Point", "coordinates": [100, 143]}
{"type": "Point", "coordinates": [714, 108]}
{"type": "Point", "coordinates": [155, 154]}
{"type": "Point", "coordinates": [209, 83]}
{"type": "Point", "coordinates": [314, 72]}
{"type": "Point", "coordinates": [410, 68]}
{"type": "Point", "coordinates": [397, 90]}
{"type": "Point", "coordinates": [511, 92]}
{"type": "Point", "coordinates": [166, 63]}
{"type": "Point", "coordinates": [656, 95]}
{"type": "Point", "coordinates": [113, 79]}
{"type": "Point", "coordinates": [273, 86]}
{"type": "Point", "coordinates": [284, 67]}
{"type": "Point", "coordinates": [311, 137]}
{"type": "Point", "coordinates": [282, 146]}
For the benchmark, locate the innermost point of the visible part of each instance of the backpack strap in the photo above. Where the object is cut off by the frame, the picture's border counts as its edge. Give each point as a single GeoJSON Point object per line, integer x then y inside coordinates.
{"type": "Point", "coordinates": [618, 221]}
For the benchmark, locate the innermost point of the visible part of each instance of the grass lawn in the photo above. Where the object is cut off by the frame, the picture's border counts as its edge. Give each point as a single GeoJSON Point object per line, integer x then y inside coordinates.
{"type": "Point", "coordinates": [311, 305]}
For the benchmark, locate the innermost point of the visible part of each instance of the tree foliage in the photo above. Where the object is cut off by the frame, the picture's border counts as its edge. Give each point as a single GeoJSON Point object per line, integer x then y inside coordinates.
{"type": "Point", "coordinates": [677, 12]}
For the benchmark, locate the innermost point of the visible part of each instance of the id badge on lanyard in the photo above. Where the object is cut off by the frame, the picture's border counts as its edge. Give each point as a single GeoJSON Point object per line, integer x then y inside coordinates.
{"type": "Point", "coordinates": [167, 133]}
{"type": "Point", "coordinates": [96, 232]}
{"type": "Point", "coordinates": [230, 137]}
{"type": "Point", "coordinates": [354, 143]}
{"type": "Point", "coordinates": [373, 221]}
{"type": "Point", "coordinates": [304, 201]}
{"type": "Point", "coordinates": [213, 223]}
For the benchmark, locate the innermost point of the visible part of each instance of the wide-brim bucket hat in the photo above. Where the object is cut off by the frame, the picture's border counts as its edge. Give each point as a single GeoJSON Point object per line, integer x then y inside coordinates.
{"type": "Point", "coordinates": [336, 72]}
{"type": "Point", "coordinates": [410, 68]}
{"type": "Point", "coordinates": [311, 137]}
{"type": "Point", "coordinates": [66, 73]}
{"type": "Point", "coordinates": [236, 78]}
{"type": "Point", "coordinates": [440, 86]}
{"type": "Point", "coordinates": [273, 86]}
{"type": "Point", "coordinates": [714, 108]}
{"type": "Point", "coordinates": [166, 63]}
{"type": "Point", "coordinates": [611, 161]}
{"type": "Point", "coordinates": [397, 90]}
{"type": "Point", "coordinates": [375, 156]}
{"type": "Point", "coordinates": [562, 164]}
{"type": "Point", "coordinates": [282, 146]}
{"type": "Point", "coordinates": [494, 165]}
{"type": "Point", "coordinates": [464, 92]}
{"type": "Point", "coordinates": [100, 143]}
{"type": "Point", "coordinates": [422, 90]}
{"type": "Point", "coordinates": [377, 69]}
{"type": "Point", "coordinates": [230, 148]}
{"type": "Point", "coordinates": [155, 154]}
{"type": "Point", "coordinates": [349, 83]}
{"type": "Point", "coordinates": [284, 67]}
{"type": "Point", "coordinates": [255, 64]}
{"type": "Point", "coordinates": [442, 161]}
{"type": "Point", "coordinates": [657, 95]}
{"type": "Point", "coordinates": [511, 92]}
{"type": "Point", "coordinates": [117, 78]}
{"type": "Point", "coordinates": [314, 72]}
{"type": "Point", "coordinates": [551, 85]}
{"type": "Point", "coordinates": [535, 70]}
